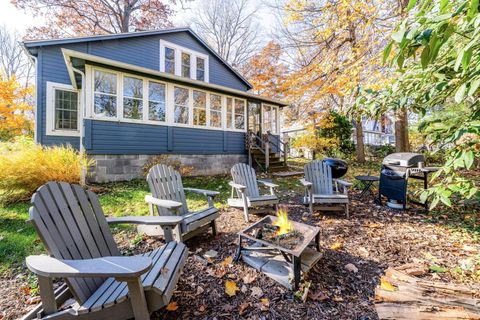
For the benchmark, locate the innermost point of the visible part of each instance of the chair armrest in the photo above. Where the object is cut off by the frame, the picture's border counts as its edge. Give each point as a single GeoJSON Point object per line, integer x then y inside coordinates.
{"type": "Point", "coordinates": [306, 183]}
{"type": "Point", "coordinates": [147, 220]}
{"type": "Point", "coordinates": [343, 182]}
{"type": "Point", "coordinates": [237, 186]}
{"type": "Point", "coordinates": [207, 193]}
{"type": "Point", "coordinates": [167, 204]}
{"type": "Point", "coordinates": [106, 267]}
{"type": "Point", "coordinates": [268, 184]}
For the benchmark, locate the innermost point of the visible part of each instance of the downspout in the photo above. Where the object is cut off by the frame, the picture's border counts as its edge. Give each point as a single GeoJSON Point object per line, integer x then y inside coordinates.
{"type": "Point", "coordinates": [83, 169]}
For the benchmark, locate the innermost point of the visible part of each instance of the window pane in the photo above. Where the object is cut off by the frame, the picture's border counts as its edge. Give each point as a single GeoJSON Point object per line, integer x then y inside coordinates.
{"type": "Point", "coordinates": [105, 105]}
{"type": "Point", "coordinates": [156, 105]}
{"type": "Point", "coordinates": [185, 65]}
{"type": "Point", "coordinates": [105, 82]}
{"type": "Point", "coordinates": [132, 108]}
{"type": "Point", "coordinates": [66, 110]}
{"type": "Point", "coordinates": [200, 69]}
{"type": "Point", "coordinates": [156, 111]}
{"type": "Point", "coordinates": [215, 111]}
{"type": "Point", "coordinates": [229, 113]}
{"type": "Point", "coordinates": [239, 114]}
{"type": "Point", "coordinates": [181, 105]}
{"type": "Point", "coordinates": [156, 91]}
{"type": "Point", "coordinates": [199, 108]}
{"type": "Point", "coordinates": [169, 60]}
{"type": "Point", "coordinates": [132, 87]}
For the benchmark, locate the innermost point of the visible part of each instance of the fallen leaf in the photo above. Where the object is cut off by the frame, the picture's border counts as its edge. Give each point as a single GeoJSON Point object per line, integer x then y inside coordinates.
{"type": "Point", "coordinates": [202, 308]}
{"type": "Point", "coordinates": [337, 245]}
{"type": "Point", "coordinates": [337, 299]}
{"type": "Point", "coordinates": [172, 306]}
{"type": "Point", "coordinates": [231, 288]}
{"type": "Point", "coordinates": [351, 267]}
{"type": "Point", "coordinates": [227, 308]}
{"type": "Point", "coordinates": [438, 269]}
{"type": "Point", "coordinates": [386, 285]}
{"type": "Point", "coordinates": [243, 308]}
{"type": "Point", "coordinates": [256, 292]}
{"type": "Point", "coordinates": [220, 272]}
{"type": "Point", "coordinates": [363, 251]}
{"type": "Point", "coordinates": [249, 278]}
{"type": "Point", "coordinates": [317, 296]}
{"type": "Point", "coordinates": [33, 300]}
{"type": "Point", "coordinates": [244, 288]}
{"type": "Point", "coordinates": [200, 290]}
{"type": "Point", "coordinates": [228, 261]}
{"type": "Point", "coordinates": [263, 305]}
{"type": "Point", "coordinates": [164, 271]}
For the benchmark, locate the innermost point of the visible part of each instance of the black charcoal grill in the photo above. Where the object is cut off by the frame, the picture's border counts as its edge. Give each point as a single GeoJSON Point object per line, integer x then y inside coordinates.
{"type": "Point", "coordinates": [339, 167]}
{"type": "Point", "coordinates": [397, 169]}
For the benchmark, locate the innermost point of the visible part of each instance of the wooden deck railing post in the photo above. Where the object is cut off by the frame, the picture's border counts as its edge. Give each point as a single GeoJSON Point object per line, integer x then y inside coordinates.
{"type": "Point", "coordinates": [267, 151]}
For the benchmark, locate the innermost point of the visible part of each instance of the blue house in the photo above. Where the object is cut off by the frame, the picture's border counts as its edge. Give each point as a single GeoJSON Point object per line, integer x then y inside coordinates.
{"type": "Point", "coordinates": [124, 98]}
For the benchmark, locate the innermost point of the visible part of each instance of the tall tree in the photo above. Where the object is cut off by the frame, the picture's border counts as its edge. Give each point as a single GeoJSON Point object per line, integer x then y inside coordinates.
{"type": "Point", "coordinates": [64, 18]}
{"type": "Point", "coordinates": [266, 72]}
{"type": "Point", "coordinates": [13, 62]}
{"type": "Point", "coordinates": [335, 46]}
{"type": "Point", "coordinates": [229, 27]}
{"type": "Point", "coordinates": [14, 111]}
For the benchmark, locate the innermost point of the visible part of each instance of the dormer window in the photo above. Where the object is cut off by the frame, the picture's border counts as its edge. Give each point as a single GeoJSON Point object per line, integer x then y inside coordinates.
{"type": "Point", "coordinates": [169, 60]}
{"type": "Point", "coordinates": [200, 69]}
{"type": "Point", "coordinates": [185, 65]}
{"type": "Point", "coordinates": [183, 61]}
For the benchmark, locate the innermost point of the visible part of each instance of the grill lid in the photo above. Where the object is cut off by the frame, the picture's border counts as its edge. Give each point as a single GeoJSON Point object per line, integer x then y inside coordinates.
{"type": "Point", "coordinates": [403, 159]}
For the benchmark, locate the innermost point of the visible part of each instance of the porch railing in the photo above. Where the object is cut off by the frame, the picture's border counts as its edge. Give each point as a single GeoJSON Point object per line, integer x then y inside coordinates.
{"type": "Point", "coordinates": [264, 145]}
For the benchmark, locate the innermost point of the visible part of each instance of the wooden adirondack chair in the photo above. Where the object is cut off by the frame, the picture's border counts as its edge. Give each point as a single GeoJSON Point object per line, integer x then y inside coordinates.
{"type": "Point", "coordinates": [165, 183]}
{"type": "Point", "coordinates": [245, 191]}
{"type": "Point", "coordinates": [104, 284]}
{"type": "Point", "coordinates": [322, 189]}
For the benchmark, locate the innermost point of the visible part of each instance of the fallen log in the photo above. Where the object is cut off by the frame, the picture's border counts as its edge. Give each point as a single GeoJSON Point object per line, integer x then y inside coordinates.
{"type": "Point", "coordinates": [405, 297]}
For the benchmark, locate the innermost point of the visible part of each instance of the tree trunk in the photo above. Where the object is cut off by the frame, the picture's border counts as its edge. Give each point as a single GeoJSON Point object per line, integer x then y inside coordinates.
{"type": "Point", "coordinates": [360, 147]}
{"type": "Point", "coordinates": [401, 130]}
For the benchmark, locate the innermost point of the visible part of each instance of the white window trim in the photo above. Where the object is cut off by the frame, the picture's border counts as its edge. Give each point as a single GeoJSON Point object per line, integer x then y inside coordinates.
{"type": "Point", "coordinates": [178, 59]}
{"type": "Point", "coordinates": [277, 120]}
{"type": "Point", "coordinates": [233, 114]}
{"type": "Point", "coordinates": [50, 110]}
{"type": "Point", "coordinates": [169, 102]}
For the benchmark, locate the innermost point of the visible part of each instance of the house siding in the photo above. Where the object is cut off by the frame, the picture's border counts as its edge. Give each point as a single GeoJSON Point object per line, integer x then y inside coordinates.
{"type": "Point", "coordinates": [145, 52]}
{"type": "Point", "coordinates": [108, 137]}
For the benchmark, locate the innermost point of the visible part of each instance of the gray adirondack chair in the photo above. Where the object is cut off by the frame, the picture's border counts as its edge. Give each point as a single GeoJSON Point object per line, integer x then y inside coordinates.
{"type": "Point", "coordinates": [320, 188]}
{"type": "Point", "coordinates": [165, 184]}
{"type": "Point", "coordinates": [245, 191]}
{"type": "Point", "coordinates": [104, 284]}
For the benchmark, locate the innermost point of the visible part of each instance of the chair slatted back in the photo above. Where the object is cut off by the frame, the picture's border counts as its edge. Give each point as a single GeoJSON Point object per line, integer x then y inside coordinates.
{"type": "Point", "coordinates": [71, 224]}
{"type": "Point", "coordinates": [320, 175]}
{"type": "Point", "coordinates": [245, 175]}
{"type": "Point", "coordinates": [166, 183]}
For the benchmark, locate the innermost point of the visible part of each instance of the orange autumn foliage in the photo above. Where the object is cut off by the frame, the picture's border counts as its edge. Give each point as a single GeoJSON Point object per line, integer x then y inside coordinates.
{"type": "Point", "coordinates": [266, 72]}
{"type": "Point", "coordinates": [15, 113]}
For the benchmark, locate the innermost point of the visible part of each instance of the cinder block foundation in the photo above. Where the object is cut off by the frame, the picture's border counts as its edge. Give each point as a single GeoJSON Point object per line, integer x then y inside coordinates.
{"type": "Point", "coordinates": [110, 168]}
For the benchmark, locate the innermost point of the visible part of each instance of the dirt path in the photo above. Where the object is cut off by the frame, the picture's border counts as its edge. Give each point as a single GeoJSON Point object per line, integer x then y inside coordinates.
{"type": "Point", "coordinates": [372, 240]}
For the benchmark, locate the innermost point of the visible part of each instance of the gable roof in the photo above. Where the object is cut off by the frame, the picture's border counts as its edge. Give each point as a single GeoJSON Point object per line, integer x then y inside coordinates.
{"type": "Point", "coordinates": [30, 44]}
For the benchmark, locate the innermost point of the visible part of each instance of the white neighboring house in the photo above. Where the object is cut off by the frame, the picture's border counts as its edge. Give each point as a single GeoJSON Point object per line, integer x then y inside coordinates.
{"type": "Point", "coordinates": [375, 132]}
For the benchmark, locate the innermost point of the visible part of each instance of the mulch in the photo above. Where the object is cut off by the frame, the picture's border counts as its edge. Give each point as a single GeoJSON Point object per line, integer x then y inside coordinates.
{"type": "Point", "coordinates": [373, 239]}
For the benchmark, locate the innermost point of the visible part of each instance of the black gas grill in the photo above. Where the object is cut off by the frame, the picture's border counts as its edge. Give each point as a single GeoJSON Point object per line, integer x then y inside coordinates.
{"type": "Point", "coordinates": [397, 169]}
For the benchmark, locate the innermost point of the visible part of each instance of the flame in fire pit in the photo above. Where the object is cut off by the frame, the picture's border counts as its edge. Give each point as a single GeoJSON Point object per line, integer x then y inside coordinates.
{"type": "Point", "coordinates": [285, 226]}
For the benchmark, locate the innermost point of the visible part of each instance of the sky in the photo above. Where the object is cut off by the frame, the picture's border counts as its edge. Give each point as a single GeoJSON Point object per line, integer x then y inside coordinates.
{"type": "Point", "coordinates": [16, 19]}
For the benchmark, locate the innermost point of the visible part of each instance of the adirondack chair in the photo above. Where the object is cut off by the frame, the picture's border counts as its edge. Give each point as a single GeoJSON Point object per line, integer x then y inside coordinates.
{"type": "Point", "coordinates": [104, 284]}
{"type": "Point", "coordinates": [165, 184]}
{"type": "Point", "coordinates": [245, 191]}
{"type": "Point", "coordinates": [322, 189]}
